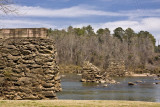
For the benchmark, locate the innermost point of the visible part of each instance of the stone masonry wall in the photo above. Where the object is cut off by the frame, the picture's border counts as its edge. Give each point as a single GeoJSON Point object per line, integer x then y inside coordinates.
{"type": "Point", "coordinates": [28, 69]}
{"type": "Point", "coordinates": [93, 74]}
{"type": "Point", "coordinates": [116, 68]}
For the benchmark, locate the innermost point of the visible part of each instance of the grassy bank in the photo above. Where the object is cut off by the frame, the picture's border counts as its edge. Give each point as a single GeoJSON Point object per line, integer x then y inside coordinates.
{"type": "Point", "coordinates": [76, 103]}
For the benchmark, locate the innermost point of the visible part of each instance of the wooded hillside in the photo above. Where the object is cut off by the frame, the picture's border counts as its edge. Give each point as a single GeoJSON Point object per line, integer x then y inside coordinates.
{"type": "Point", "coordinates": [76, 45]}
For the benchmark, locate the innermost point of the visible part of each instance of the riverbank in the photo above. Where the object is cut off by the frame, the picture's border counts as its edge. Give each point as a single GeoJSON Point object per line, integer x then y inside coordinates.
{"type": "Point", "coordinates": [75, 103]}
{"type": "Point", "coordinates": [74, 69]}
{"type": "Point", "coordinates": [143, 75]}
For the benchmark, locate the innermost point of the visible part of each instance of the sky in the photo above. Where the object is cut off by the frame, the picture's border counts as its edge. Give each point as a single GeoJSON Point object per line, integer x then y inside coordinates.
{"type": "Point", "coordinates": [59, 14]}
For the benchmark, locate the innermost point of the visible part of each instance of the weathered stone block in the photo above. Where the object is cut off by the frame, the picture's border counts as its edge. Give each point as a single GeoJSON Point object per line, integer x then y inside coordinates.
{"type": "Point", "coordinates": [10, 47]}
{"type": "Point", "coordinates": [14, 52]}
{"type": "Point", "coordinates": [48, 89]}
{"type": "Point", "coordinates": [14, 58]}
{"type": "Point", "coordinates": [48, 94]}
{"type": "Point", "coordinates": [25, 52]}
{"type": "Point", "coordinates": [47, 85]}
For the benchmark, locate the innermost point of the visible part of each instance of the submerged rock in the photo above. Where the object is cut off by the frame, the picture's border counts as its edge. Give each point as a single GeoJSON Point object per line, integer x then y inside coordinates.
{"type": "Point", "coordinates": [102, 81]}
{"type": "Point", "coordinates": [138, 81]}
{"type": "Point", "coordinates": [105, 85]}
{"type": "Point", "coordinates": [131, 83]}
{"type": "Point", "coordinates": [83, 80]}
{"type": "Point", "coordinates": [156, 78]}
{"type": "Point", "coordinates": [157, 83]}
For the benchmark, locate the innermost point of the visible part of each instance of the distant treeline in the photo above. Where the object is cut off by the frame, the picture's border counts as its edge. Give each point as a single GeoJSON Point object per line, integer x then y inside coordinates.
{"type": "Point", "coordinates": [76, 45]}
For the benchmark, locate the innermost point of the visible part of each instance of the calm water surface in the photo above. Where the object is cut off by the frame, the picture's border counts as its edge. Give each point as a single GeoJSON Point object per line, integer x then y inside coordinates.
{"type": "Point", "coordinates": [146, 91]}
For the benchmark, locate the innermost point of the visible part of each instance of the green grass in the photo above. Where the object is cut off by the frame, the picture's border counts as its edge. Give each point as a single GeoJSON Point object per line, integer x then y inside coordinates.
{"type": "Point", "coordinates": [75, 103]}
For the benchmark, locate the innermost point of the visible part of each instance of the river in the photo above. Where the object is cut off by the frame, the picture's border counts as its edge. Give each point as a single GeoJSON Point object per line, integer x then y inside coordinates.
{"type": "Point", "coordinates": [75, 90]}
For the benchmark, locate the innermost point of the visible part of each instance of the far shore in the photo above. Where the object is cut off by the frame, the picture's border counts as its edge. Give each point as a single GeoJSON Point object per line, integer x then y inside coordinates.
{"type": "Point", "coordinates": [132, 75]}
{"type": "Point", "coordinates": [143, 75]}
{"type": "Point", "coordinates": [76, 103]}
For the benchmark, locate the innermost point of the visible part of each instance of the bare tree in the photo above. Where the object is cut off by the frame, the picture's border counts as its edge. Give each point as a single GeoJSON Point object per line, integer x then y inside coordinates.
{"type": "Point", "coordinates": [6, 6]}
{"type": "Point", "coordinates": [75, 46]}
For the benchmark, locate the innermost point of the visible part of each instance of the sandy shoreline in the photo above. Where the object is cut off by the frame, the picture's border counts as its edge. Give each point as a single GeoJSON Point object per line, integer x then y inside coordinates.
{"type": "Point", "coordinates": [142, 75]}
{"type": "Point", "coordinates": [76, 103]}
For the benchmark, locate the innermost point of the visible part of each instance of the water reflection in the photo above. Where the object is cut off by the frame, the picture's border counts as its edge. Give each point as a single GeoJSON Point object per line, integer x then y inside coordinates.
{"type": "Point", "coordinates": [145, 91]}
{"type": "Point", "coordinates": [89, 84]}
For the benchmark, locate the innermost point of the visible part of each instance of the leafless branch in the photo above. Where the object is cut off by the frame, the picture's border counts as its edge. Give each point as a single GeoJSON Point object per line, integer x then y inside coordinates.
{"type": "Point", "coordinates": [6, 6]}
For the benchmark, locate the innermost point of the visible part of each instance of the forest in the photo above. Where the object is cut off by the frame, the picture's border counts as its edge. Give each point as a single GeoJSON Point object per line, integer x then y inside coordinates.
{"type": "Point", "coordinates": [76, 45]}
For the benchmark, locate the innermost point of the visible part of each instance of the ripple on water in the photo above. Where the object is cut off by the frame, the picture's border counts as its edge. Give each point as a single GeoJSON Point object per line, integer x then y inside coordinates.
{"type": "Point", "coordinates": [145, 91]}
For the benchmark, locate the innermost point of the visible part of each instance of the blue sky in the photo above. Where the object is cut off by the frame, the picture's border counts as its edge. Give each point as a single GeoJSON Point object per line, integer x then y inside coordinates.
{"type": "Point", "coordinates": [58, 14]}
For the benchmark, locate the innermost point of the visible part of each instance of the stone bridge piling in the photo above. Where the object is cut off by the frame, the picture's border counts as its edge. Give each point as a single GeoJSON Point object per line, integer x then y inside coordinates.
{"type": "Point", "coordinates": [28, 69]}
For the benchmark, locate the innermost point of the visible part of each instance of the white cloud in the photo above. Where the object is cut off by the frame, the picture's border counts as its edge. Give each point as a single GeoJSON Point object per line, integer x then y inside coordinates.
{"type": "Point", "coordinates": [82, 11]}
{"type": "Point", "coordinates": [6, 23]}
{"type": "Point", "coordinates": [151, 24]}
{"type": "Point", "coordinates": [134, 19]}
{"type": "Point", "coordinates": [147, 24]}
{"type": "Point", "coordinates": [75, 11]}
{"type": "Point", "coordinates": [132, 14]}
